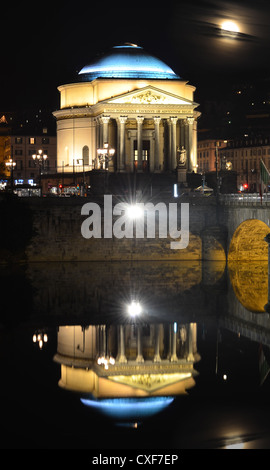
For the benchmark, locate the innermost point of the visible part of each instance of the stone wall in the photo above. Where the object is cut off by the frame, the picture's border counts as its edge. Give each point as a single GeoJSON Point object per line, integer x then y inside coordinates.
{"type": "Point", "coordinates": [49, 229]}
{"type": "Point", "coordinates": [57, 236]}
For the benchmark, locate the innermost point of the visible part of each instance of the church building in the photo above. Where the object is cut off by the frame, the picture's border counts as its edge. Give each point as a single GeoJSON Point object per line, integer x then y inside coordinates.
{"type": "Point", "coordinates": [134, 109]}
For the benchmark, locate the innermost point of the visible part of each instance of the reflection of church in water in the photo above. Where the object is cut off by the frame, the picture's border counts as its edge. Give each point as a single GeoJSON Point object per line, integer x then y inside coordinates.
{"type": "Point", "coordinates": [131, 360]}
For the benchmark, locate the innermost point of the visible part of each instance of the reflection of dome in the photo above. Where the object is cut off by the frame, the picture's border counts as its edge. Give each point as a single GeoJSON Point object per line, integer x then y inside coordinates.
{"type": "Point", "coordinates": [127, 61]}
{"type": "Point", "coordinates": [129, 408]}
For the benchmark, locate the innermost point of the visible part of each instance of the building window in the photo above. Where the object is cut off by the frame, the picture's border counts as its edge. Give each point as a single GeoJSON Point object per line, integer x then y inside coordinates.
{"type": "Point", "coordinates": [18, 152]}
{"type": "Point", "coordinates": [45, 140]}
{"type": "Point", "coordinates": [18, 140]}
{"type": "Point", "coordinates": [145, 155]}
{"type": "Point", "coordinates": [32, 140]}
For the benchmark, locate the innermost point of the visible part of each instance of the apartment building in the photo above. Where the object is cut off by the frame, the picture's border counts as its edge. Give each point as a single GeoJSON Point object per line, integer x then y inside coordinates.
{"type": "Point", "coordinates": [22, 148]}
{"type": "Point", "coordinates": [243, 156]}
{"type": "Point", "coordinates": [206, 157]}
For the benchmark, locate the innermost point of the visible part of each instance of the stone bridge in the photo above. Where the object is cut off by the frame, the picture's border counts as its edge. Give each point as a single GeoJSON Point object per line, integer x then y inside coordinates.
{"type": "Point", "coordinates": [49, 229]}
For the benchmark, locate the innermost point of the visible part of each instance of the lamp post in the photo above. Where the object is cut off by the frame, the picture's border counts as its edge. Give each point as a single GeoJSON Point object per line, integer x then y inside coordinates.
{"type": "Point", "coordinates": [105, 155]}
{"type": "Point", "coordinates": [78, 160]}
{"type": "Point", "coordinates": [11, 165]}
{"type": "Point", "coordinates": [39, 160]}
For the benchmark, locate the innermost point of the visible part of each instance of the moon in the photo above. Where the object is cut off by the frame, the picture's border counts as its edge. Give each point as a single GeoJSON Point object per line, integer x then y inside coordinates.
{"type": "Point", "coordinates": [229, 28]}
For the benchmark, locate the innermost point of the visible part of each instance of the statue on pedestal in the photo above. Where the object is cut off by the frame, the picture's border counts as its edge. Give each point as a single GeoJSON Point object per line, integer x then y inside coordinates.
{"type": "Point", "coordinates": [182, 157]}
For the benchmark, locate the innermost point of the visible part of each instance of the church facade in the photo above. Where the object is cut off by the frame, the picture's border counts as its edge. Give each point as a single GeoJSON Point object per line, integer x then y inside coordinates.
{"type": "Point", "coordinates": [132, 104]}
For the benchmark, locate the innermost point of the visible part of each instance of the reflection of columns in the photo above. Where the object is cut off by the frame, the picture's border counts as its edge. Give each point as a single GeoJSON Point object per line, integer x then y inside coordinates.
{"type": "Point", "coordinates": [267, 306]}
{"type": "Point", "coordinates": [190, 356]}
{"type": "Point", "coordinates": [121, 346]}
{"type": "Point", "coordinates": [139, 357]}
{"type": "Point", "coordinates": [173, 357]}
{"type": "Point", "coordinates": [157, 122]}
{"type": "Point", "coordinates": [121, 158]}
{"type": "Point", "coordinates": [139, 140]}
{"type": "Point", "coordinates": [105, 124]}
{"type": "Point", "coordinates": [173, 142]}
{"type": "Point", "coordinates": [157, 336]}
{"type": "Point", "coordinates": [101, 340]}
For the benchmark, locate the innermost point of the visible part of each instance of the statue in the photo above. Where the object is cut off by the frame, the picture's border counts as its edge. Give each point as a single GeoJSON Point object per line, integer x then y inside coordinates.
{"type": "Point", "coordinates": [182, 157]}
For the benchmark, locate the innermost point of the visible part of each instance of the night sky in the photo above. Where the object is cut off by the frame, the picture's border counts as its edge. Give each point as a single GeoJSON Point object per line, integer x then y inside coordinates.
{"type": "Point", "coordinates": [43, 46]}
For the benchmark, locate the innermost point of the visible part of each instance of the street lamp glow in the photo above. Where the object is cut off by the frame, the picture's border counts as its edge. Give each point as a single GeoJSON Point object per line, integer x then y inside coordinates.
{"type": "Point", "coordinates": [134, 211]}
{"type": "Point", "coordinates": [105, 155]}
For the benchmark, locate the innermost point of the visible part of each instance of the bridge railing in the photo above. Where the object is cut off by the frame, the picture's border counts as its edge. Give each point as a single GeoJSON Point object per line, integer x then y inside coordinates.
{"type": "Point", "coordinates": [253, 199]}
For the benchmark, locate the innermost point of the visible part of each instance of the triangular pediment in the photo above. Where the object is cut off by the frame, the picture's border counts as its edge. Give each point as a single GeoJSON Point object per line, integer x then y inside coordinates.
{"type": "Point", "coordinates": [150, 95]}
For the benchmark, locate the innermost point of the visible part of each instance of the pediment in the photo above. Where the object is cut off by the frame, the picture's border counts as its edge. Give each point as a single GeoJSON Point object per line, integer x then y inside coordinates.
{"type": "Point", "coordinates": [150, 95]}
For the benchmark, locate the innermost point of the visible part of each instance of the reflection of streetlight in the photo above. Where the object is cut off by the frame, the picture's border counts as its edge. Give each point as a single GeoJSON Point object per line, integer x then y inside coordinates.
{"type": "Point", "coordinates": [106, 361]}
{"type": "Point", "coordinates": [39, 160]}
{"type": "Point", "coordinates": [105, 155]}
{"type": "Point", "coordinates": [135, 308]}
{"type": "Point", "coordinates": [11, 165]}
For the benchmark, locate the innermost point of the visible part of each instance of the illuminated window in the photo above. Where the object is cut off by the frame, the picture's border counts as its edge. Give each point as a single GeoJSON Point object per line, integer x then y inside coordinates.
{"type": "Point", "coordinates": [145, 155]}
{"type": "Point", "coordinates": [32, 140]}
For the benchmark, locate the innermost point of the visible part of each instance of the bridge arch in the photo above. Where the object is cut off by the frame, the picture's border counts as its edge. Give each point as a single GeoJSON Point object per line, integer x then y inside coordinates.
{"type": "Point", "coordinates": [247, 243]}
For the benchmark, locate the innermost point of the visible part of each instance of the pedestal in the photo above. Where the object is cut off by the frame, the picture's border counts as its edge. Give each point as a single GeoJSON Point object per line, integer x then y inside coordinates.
{"type": "Point", "coordinates": [181, 175]}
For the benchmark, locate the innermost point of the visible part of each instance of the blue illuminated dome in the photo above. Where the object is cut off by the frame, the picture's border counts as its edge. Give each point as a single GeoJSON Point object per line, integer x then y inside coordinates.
{"type": "Point", "coordinates": [127, 61]}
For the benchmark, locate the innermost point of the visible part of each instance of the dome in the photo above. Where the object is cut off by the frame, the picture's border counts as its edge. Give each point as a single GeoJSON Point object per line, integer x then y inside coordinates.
{"type": "Point", "coordinates": [127, 61]}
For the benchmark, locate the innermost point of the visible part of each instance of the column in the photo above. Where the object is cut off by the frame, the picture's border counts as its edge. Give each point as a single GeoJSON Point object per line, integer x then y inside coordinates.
{"type": "Point", "coordinates": [186, 133]}
{"type": "Point", "coordinates": [157, 122]}
{"type": "Point", "coordinates": [121, 358]}
{"type": "Point", "coordinates": [121, 157]}
{"type": "Point", "coordinates": [189, 140]}
{"type": "Point", "coordinates": [139, 357]}
{"type": "Point", "coordinates": [140, 120]}
{"type": "Point", "coordinates": [194, 146]}
{"type": "Point", "coordinates": [169, 149]}
{"type": "Point", "coordinates": [105, 125]}
{"type": "Point", "coordinates": [173, 143]}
